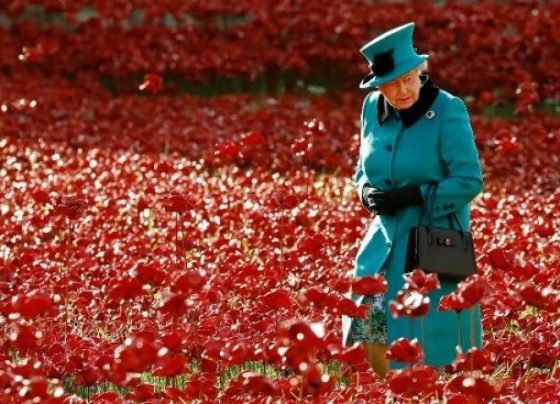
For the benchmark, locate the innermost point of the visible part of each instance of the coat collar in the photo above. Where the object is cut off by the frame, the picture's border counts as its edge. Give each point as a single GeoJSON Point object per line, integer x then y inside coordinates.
{"type": "Point", "coordinates": [409, 116]}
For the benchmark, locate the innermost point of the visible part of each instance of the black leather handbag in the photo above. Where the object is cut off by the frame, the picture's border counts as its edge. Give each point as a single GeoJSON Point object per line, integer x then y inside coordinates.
{"type": "Point", "coordinates": [448, 252]}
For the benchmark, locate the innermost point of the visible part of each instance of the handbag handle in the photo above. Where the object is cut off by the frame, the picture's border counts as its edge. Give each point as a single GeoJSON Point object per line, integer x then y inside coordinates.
{"type": "Point", "coordinates": [429, 200]}
{"type": "Point", "coordinates": [431, 197]}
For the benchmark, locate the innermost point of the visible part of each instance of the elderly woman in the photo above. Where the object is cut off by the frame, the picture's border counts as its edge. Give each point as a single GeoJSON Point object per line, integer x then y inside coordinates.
{"type": "Point", "coordinates": [412, 134]}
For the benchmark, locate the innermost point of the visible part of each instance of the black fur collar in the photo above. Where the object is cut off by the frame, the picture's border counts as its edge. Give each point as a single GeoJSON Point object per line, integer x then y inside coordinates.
{"type": "Point", "coordinates": [409, 116]}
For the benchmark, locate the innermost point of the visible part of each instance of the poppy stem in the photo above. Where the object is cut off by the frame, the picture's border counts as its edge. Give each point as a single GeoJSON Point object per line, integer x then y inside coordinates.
{"type": "Point", "coordinates": [471, 327]}
{"type": "Point", "coordinates": [422, 333]}
{"type": "Point", "coordinates": [66, 281]}
{"type": "Point", "coordinates": [166, 144]}
{"type": "Point", "coordinates": [177, 237]}
{"type": "Point", "coordinates": [281, 224]}
{"type": "Point", "coordinates": [459, 330]}
{"type": "Point", "coordinates": [276, 323]}
{"type": "Point", "coordinates": [184, 255]}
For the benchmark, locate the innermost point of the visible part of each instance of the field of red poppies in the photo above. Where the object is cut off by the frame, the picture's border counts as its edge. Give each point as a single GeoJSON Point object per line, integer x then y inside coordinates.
{"type": "Point", "coordinates": [178, 219]}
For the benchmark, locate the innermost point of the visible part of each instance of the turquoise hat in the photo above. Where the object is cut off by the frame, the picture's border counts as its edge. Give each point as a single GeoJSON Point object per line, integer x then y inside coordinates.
{"type": "Point", "coordinates": [390, 55]}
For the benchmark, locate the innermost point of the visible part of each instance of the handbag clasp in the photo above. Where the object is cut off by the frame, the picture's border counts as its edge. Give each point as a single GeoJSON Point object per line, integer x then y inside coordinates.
{"type": "Point", "coordinates": [446, 241]}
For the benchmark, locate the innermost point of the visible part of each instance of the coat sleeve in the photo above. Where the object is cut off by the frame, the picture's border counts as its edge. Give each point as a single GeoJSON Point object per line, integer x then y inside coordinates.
{"type": "Point", "coordinates": [360, 178]}
{"type": "Point", "coordinates": [458, 151]}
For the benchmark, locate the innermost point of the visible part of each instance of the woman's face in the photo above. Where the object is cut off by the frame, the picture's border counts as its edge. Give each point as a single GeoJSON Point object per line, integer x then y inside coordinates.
{"type": "Point", "coordinates": [402, 92]}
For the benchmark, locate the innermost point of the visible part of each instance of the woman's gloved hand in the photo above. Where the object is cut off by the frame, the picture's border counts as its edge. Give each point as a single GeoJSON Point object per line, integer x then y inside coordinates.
{"type": "Point", "coordinates": [390, 201]}
{"type": "Point", "coordinates": [367, 197]}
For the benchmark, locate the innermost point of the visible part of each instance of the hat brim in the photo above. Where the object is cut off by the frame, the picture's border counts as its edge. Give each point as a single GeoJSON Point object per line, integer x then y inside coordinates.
{"type": "Point", "coordinates": [371, 81]}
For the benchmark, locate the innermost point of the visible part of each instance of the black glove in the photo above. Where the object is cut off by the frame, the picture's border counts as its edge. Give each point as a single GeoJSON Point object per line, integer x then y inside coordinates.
{"type": "Point", "coordinates": [389, 202]}
{"type": "Point", "coordinates": [368, 203]}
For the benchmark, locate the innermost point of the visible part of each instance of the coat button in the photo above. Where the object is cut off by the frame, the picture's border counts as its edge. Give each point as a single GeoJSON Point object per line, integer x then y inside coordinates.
{"type": "Point", "coordinates": [387, 182]}
{"type": "Point", "coordinates": [389, 147]}
{"type": "Point", "coordinates": [389, 244]}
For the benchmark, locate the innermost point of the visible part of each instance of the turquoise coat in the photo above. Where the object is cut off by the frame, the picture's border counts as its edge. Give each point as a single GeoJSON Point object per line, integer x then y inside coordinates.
{"type": "Point", "coordinates": [438, 146]}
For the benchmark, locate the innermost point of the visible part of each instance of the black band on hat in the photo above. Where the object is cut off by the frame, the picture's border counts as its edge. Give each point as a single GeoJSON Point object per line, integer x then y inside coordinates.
{"type": "Point", "coordinates": [382, 63]}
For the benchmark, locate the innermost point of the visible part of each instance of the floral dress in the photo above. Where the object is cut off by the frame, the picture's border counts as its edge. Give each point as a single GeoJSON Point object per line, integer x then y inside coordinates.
{"type": "Point", "coordinates": [373, 328]}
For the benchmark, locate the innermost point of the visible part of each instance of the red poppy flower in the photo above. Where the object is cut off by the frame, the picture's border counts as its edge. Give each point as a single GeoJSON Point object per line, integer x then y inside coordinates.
{"type": "Point", "coordinates": [32, 305]}
{"type": "Point", "coordinates": [369, 285]}
{"type": "Point", "coordinates": [419, 281]}
{"type": "Point", "coordinates": [499, 258]}
{"type": "Point", "coordinates": [70, 206]}
{"type": "Point", "coordinates": [314, 127]}
{"type": "Point", "coordinates": [283, 200]}
{"type": "Point", "coordinates": [175, 395]}
{"type": "Point", "coordinates": [474, 359]}
{"type": "Point", "coordinates": [143, 392]}
{"type": "Point", "coordinates": [404, 350]}
{"type": "Point", "coordinates": [474, 388]}
{"type": "Point", "coordinates": [277, 299]}
{"type": "Point", "coordinates": [472, 290]}
{"type": "Point", "coordinates": [301, 146]}
{"type": "Point", "coordinates": [136, 354]}
{"type": "Point", "coordinates": [227, 150]}
{"type": "Point", "coordinates": [544, 358]}
{"type": "Point", "coordinates": [40, 195]}
{"type": "Point", "coordinates": [542, 298]}
{"type": "Point", "coordinates": [177, 202]}
{"type": "Point", "coordinates": [152, 83]}
{"type": "Point", "coordinates": [257, 384]}
{"type": "Point", "coordinates": [411, 305]}
{"type": "Point", "coordinates": [173, 304]}
{"type": "Point", "coordinates": [24, 338]}
{"type": "Point", "coordinates": [354, 355]}
{"type": "Point", "coordinates": [189, 282]}
{"type": "Point", "coordinates": [420, 380]}
{"type": "Point", "coordinates": [316, 383]}
{"type": "Point", "coordinates": [170, 365]}
{"type": "Point", "coordinates": [312, 244]}
{"type": "Point", "coordinates": [342, 285]}
{"type": "Point", "coordinates": [303, 333]}
{"type": "Point", "coordinates": [348, 307]}
{"type": "Point", "coordinates": [252, 139]}
{"type": "Point", "coordinates": [452, 301]}
{"type": "Point", "coordinates": [527, 94]}
{"type": "Point", "coordinates": [315, 295]}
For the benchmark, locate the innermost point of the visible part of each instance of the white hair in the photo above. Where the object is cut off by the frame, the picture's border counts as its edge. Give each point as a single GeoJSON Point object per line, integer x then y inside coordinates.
{"type": "Point", "coordinates": [423, 68]}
